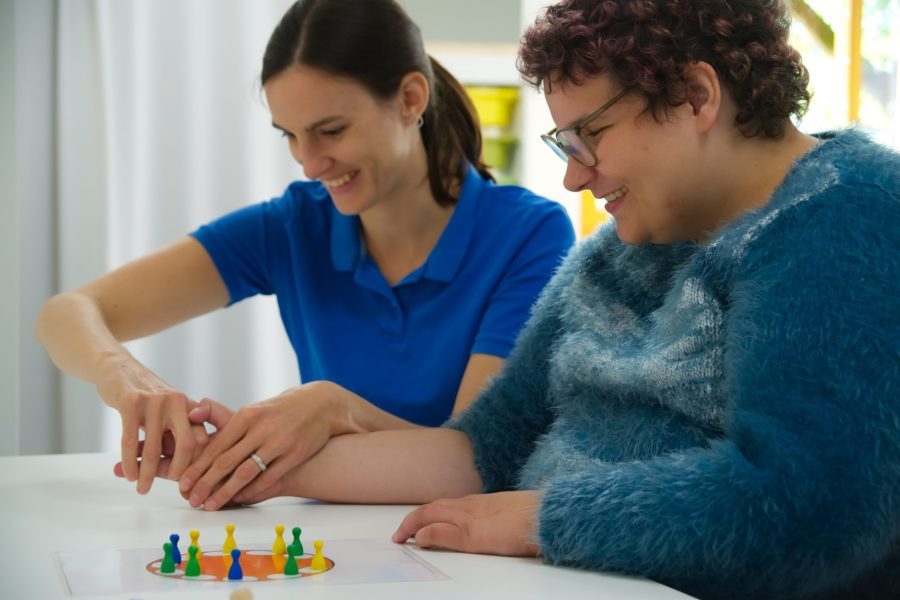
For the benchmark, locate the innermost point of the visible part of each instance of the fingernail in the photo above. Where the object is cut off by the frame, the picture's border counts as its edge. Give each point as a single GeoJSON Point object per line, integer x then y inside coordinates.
{"type": "Point", "coordinates": [195, 500]}
{"type": "Point", "coordinates": [185, 483]}
{"type": "Point", "coordinates": [210, 505]}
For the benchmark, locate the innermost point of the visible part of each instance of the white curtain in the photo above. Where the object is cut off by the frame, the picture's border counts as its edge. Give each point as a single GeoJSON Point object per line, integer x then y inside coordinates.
{"type": "Point", "coordinates": [162, 126]}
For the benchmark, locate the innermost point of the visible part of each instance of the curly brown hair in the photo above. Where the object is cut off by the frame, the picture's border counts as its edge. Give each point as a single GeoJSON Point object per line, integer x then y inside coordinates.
{"type": "Point", "coordinates": [644, 45]}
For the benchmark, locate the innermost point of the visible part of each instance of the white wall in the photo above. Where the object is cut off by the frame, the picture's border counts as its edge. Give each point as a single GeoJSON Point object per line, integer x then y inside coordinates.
{"type": "Point", "coordinates": [28, 381]}
{"type": "Point", "coordinates": [36, 188]}
{"type": "Point", "coordinates": [9, 236]}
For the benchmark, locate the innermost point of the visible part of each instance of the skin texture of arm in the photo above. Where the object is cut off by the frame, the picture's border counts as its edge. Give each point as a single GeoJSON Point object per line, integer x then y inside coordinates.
{"type": "Point", "coordinates": [288, 429]}
{"type": "Point", "coordinates": [83, 331]}
{"type": "Point", "coordinates": [381, 468]}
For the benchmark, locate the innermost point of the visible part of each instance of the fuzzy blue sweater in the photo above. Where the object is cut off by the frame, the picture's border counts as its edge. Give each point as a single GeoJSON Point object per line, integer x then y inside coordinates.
{"type": "Point", "coordinates": [724, 418]}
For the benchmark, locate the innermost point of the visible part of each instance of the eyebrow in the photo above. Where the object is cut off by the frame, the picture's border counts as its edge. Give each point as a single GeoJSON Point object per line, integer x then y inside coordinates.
{"type": "Point", "coordinates": [315, 125]}
{"type": "Point", "coordinates": [603, 110]}
{"type": "Point", "coordinates": [580, 121]}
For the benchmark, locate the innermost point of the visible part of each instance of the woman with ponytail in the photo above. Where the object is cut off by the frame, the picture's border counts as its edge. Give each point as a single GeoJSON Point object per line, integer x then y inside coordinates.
{"type": "Point", "coordinates": [402, 273]}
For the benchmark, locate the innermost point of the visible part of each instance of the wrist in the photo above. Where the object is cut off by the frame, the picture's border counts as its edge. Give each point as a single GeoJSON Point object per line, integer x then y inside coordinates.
{"type": "Point", "coordinates": [338, 406]}
{"type": "Point", "coordinates": [111, 367]}
{"type": "Point", "coordinates": [119, 373]}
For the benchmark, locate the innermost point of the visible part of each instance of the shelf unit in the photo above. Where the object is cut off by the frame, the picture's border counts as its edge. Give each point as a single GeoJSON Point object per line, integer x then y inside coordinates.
{"type": "Point", "coordinates": [534, 165]}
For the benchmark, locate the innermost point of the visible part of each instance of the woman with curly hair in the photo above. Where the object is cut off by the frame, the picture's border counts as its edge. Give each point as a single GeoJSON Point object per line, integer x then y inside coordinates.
{"type": "Point", "coordinates": [707, 392]}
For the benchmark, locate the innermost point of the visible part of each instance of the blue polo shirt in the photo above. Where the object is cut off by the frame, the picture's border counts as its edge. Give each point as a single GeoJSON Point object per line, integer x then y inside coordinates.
{"type": "Point", "coordinates": [402, 347]}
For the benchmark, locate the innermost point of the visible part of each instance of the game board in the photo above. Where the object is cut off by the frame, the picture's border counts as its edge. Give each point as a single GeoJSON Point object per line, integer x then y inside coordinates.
{"type": "Point", "coordinates": [257, 565]}
{"type": "Point", "coordinates": [95, 571]}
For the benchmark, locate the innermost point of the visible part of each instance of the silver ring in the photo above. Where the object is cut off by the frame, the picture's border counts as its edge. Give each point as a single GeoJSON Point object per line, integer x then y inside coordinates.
{"type": "Point", "coordinates": [259, 462]}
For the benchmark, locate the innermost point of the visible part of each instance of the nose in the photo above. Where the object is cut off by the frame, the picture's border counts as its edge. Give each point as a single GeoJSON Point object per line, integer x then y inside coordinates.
{"type": "Point", "coordinates": [310, 158]}
{"type": "Point", "coordinates": [578, 176]}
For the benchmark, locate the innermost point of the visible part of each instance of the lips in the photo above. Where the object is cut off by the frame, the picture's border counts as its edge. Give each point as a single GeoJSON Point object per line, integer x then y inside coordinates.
{"type": "Point", "coordinates": [339, 181]}
{"type": "Point", "coordinates": [615, 199]}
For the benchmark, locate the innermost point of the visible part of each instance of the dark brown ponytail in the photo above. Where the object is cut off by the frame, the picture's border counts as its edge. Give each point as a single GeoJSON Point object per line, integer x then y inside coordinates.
{"type": "Point", "coordinates": [452, 135]}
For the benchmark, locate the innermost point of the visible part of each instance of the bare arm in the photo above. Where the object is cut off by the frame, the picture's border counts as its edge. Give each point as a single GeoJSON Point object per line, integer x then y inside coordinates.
{"type": "Point", "coordinates": [82, 331]}
{"type": "Point", "coordinates": [286, 430]}
{"type": "Point", "coordinates": [409, 466]}
{"type": "Point", "coordinates": [432, 467]}
{"type": "Point", "coordinates": [360, 416]}
{"type": "Point", "coordinates": [480, 369]}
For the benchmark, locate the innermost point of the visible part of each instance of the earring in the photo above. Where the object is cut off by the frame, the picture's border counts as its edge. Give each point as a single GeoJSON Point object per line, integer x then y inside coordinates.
{"type": "Point", "coordinates": [420, 121]}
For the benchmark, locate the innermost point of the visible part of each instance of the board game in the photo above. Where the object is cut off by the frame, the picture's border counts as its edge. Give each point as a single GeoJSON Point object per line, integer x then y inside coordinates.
{"type": "Point", "coordinates": [282, 561]}
{"type": "Point", "coordinates": [256, 565]}
{"type": "Point", "coordinates": [99, 571]}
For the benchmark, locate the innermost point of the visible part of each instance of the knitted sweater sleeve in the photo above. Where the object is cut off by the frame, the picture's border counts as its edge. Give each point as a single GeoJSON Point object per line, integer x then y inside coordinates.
{"type": "Point", "coordinates": [802, 493]}
{"type": "Point", "coordinates": [514, 410]}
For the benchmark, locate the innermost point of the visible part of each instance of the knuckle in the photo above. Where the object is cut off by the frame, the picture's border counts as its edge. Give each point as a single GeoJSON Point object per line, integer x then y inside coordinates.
{"type": "Point", "coordinates": [224, 462]}
{"type": "Point", "coordinates": [152, 448]}
{"type": "Point", "coordinates": [426, 511]}
{"type": "Point", "coordinates": [201, 442]}
{"type": "Point", "coordinates": [201, 490]}
{"type": "Point", "coordinates": [425, 537]}
{"type": "Point", "coordinates": [250, 413]}
{"type": "Point", "coordinates": [176, 396]}
{"type": "Point", "coordinates": [216, 446]}
{"type": "Point", "coordinates": [130, 437]}
{"type": "Point", "coordinates": [129, 401]}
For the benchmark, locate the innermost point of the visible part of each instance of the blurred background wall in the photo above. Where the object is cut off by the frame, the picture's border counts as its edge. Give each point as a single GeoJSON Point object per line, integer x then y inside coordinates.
{"type": "Point", "coordinates": [125, 124]}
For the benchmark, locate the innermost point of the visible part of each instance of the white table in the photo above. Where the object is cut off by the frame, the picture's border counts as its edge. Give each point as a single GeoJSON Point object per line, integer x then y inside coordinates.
{"type": "Point", "coordinates": [66, 503]}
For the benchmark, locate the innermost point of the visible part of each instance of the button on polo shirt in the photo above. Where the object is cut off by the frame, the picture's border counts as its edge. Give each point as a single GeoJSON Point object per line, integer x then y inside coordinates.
{"type": "Point", "coordinates": [402, 347]}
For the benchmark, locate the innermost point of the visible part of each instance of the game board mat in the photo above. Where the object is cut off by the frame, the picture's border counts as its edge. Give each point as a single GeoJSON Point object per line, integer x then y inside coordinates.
{"type": "Point", "coordinates": [89, 571]}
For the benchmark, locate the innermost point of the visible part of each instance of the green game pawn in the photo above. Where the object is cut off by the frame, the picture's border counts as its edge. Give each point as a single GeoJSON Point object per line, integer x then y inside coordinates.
{"type": "Point", "coordinates": [296, 544]}
{"type": "Point", "coordinates": [168, 565]}
{"type": "Point", "coordinates": [193, 565]}
{"type": "Point", "coordinates": [290, 567]}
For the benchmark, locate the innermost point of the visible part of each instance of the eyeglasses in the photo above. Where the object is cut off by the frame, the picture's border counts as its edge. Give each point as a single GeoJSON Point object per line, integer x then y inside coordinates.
{"type": "Point", "coordinates": [568, 142]}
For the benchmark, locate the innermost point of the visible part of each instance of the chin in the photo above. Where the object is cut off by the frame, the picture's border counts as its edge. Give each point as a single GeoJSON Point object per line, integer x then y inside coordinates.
{"type": "Point", "coordinates": [350, 207]}
{"type": "Point", "coordinates": [629, 237]}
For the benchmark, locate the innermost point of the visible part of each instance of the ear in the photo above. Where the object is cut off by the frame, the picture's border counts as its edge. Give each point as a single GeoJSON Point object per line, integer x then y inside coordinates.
{"type": "Point", "coordinates": [704, 94]}
{"type": "Point", "coordinates": [412, 95]}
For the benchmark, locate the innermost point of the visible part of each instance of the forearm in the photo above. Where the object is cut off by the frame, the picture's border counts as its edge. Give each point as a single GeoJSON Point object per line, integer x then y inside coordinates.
{"type": "Point", "coordinates": [389, 467]}
{"type": "Point", "coordinates": [72, 329]}
{"type": "Point", "coordinates": [355, 414]}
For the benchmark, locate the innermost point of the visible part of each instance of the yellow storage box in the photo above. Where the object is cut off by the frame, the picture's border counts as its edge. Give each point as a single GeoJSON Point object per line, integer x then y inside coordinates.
{"type": "Point", "coordinates": [495, 105]}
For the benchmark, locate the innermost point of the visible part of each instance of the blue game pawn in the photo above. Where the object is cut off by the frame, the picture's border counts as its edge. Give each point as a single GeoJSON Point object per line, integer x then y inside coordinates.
{"type": "Point", "coordinates": [176, 553]}
{"type": "Point", "coordinates": [235, 572]}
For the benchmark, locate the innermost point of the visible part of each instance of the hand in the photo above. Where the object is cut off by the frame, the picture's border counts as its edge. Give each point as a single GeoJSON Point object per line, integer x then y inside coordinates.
{"type": "Point", "coordinates": [207, 411]}
{"type": "Point", "coordinates": [283, 431]}
{"type": "Point", "coordinates": [147, 403]}
{"type": "Point", "coordinates": [501, 523]}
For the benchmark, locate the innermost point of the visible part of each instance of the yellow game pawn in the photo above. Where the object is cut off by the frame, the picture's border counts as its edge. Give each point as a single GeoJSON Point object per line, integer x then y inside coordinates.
{"type": "Point", "coordinates": [195, 541]}
{"type": "Point", "coordinates": [229, 544]}
{"type": "Point", "coordinates": [318, 560]}
{"type": "Point", "coordinates": [278, 546]}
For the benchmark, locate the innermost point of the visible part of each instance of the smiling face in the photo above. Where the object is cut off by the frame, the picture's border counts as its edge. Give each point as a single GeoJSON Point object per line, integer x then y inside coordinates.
{"type": "Point", "coordinates": [651, 173]}
{"type": "Point", "coordinates": [364, 150]}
